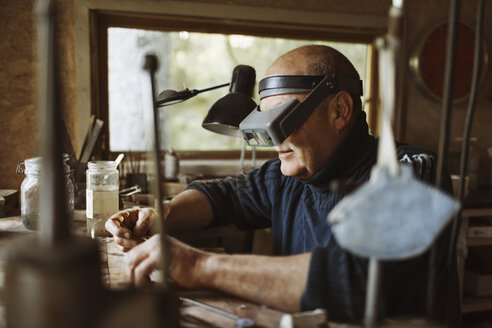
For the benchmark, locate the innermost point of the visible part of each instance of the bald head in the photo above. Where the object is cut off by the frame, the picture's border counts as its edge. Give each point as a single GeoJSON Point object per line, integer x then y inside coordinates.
{"type": "Point", "coordinates": [316, 60]}
{"type": "Point", "coordinates": [313, 60]}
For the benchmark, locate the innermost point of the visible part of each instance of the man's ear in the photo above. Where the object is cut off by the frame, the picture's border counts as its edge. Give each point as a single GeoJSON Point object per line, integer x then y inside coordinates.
{"type": "Point", "coordinates": [344, 110]}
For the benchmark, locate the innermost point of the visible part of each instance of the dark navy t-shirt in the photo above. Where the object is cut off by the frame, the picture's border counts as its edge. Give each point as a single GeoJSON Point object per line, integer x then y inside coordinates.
{"type": "Point", "coordinates": [297, 211]}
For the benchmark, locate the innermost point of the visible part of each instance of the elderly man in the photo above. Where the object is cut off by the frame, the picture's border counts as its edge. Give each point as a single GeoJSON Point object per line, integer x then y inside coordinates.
{"type": "Point", "coordinates": [292, 195]}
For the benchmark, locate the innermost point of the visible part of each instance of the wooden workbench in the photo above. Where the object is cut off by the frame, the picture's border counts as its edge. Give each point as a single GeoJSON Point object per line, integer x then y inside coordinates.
{"type": "Point", "coordinates": [114, 278]}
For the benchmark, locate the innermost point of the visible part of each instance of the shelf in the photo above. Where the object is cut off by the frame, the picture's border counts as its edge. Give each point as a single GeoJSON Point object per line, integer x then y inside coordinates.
{"type": "Point", "coordinates": [476, 205]}
{"type": "Point", "coordinates": [476, 304]}
{"type": "Point", "coordinates": [476, 212]}
{"type": "Point", "coordinates": [478, 241]}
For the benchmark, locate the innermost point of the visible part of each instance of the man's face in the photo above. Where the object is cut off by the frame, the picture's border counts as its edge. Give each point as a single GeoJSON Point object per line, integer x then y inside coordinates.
{"type": "Point", "coordinates": [309, 147]}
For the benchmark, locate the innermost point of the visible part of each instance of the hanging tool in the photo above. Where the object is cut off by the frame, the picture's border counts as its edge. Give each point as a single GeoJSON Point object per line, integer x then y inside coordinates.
{"type": "Point", "coordinates": [239, 322]}
{"type": "Point", "coordinates": [393, 216]}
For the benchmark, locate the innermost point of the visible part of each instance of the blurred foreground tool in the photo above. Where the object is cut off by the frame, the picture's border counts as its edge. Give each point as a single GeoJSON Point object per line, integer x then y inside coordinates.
{"type": "Point", "coordinates": [393, 216]}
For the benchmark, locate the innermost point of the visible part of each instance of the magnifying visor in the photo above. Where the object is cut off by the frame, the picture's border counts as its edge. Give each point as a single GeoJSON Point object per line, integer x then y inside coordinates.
{"type": "Point", "coordinates": [271, 127]}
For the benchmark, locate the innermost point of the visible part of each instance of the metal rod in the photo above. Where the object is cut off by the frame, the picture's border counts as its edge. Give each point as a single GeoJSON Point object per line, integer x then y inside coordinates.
{"type": "Point", "coordinates": [468, 124]}
{"type": "Point", "coordinates": [372, 295]}
{"type": "Point", "coordinates": [150, 65]}
{"type": "Point", "coordinates": [53, 224]}
{"type": "Point", "coordinates": [447, 91]}
{"type": "Point", "coordinates": [443, 140]}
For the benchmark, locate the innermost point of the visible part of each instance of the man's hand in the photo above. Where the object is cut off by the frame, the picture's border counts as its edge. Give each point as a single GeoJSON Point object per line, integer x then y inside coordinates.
{"type": "Point", "coordinates": [142, 260]}
{"type": "Point", "coordinates": [262, 279]}
{"type": "Point", "coordinates": [184, 268]}
{"type": "Point", "coordinates": [129, 227]}
{"type": "Point", "coordinates": [190, 210]}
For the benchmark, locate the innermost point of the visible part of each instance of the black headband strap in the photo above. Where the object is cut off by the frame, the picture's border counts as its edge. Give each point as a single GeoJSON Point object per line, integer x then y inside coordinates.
{"type": "Point", "coordinates": [283, 84]}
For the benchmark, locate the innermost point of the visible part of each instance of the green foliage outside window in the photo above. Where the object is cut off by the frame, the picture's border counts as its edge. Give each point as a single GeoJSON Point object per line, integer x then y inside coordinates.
{"type": "Point", "coordinates": [196, 61]}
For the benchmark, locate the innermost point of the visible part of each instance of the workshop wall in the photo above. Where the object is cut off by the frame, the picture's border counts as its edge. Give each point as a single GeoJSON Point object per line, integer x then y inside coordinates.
{"type": "Point", "coordinates": [19, 133]}
{"type": "Point", "coordinates": [19, 123]}
{"type": "Point", "coordinates": [421, 114]}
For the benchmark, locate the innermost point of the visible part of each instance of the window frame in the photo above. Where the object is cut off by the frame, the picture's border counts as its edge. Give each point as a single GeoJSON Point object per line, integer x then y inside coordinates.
{"type": "Point", "coordinates": [101, 20]}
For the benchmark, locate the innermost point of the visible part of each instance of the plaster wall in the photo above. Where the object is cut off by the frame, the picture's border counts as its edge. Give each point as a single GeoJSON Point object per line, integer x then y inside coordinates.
{"type": "Point", "coordinates": [19, 122]}
{"type": "Point", "coordinates": [18, 127]}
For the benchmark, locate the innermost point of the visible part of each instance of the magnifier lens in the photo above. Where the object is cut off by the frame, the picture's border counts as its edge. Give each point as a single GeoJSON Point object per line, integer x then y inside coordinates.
{"type": "Point", "coordinates": [258, 138]}
{"type": "Point", "coordinates": [274, 125]}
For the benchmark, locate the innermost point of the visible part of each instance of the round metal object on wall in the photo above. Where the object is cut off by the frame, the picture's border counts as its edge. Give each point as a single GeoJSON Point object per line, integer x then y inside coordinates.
{"type": "Point", "coordinates": [428, 59]}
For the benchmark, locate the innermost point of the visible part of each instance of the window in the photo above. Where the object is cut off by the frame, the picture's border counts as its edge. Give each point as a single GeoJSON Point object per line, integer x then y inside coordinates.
{"type": "Point", "coordinates": [189, 58]}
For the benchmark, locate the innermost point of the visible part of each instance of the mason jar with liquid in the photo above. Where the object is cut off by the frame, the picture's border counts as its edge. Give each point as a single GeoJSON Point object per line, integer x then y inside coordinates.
{"type": "Point", "coordinates": [31, 190]}
{"type": "Point", "coordinates": [101, 195]}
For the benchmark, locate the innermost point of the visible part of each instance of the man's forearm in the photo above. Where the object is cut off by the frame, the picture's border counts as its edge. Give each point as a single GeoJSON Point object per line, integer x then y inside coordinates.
{"type": "Point", "coordinates": [189, 210]}
{"type": "Point", "coordinates": [274, 281]}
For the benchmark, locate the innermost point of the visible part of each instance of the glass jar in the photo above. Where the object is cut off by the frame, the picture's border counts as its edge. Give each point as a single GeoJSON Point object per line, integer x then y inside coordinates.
{"type": "Point", "coordinates": [30, 190]}
{"type": "Point", "coordinates": [102, 195]}
{"type": "Point", "coordinates": [171, 166]}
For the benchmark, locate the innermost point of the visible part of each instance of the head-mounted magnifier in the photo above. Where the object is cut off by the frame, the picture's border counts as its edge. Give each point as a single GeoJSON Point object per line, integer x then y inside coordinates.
{"type": "Point", "coordinates": [271, 127]}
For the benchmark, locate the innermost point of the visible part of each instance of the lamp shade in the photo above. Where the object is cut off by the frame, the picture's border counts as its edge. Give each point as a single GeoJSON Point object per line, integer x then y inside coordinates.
{"type": "Point", "coordinates": [226, 113]}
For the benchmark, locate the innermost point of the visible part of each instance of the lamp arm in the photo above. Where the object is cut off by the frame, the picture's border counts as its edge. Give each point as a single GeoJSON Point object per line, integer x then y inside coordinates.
{"type": "Point", "coordinates": [169, 97]}
{"type": "Point", "coordinates": [212, 88]}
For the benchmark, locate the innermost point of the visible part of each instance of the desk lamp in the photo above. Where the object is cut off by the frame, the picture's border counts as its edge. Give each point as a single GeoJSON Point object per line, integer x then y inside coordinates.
{"type": "Point", "coordinates": [226, 113]}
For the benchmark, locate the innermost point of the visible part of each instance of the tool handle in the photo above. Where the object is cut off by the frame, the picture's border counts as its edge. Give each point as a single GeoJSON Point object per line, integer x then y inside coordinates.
{"type": "Point", "coordinates": [388, 47]}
